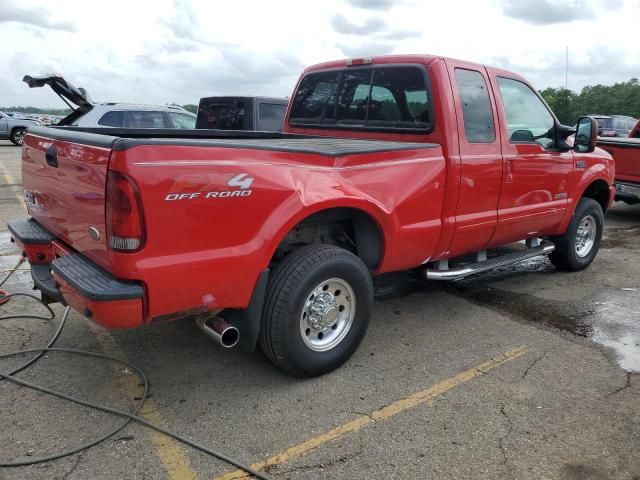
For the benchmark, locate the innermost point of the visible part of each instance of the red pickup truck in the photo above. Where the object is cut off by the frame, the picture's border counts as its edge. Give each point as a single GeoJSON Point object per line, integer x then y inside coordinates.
{"type": "Point", "coordinates": [626, 153]}
{"type": "Point", "coordinates": [385, 164]}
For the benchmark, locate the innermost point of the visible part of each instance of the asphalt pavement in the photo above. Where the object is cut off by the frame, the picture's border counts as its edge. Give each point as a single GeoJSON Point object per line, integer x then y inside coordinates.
{"type": "Point", "coordinates": [520, 373]}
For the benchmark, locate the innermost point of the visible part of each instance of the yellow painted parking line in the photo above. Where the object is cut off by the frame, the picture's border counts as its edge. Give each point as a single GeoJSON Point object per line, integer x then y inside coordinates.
{"type": "Point", "coordinates": [10, 179]}
{"type": "Point", "coordinates": [171, 453]}
{"type": "Point", "coordinates": [383, 413]}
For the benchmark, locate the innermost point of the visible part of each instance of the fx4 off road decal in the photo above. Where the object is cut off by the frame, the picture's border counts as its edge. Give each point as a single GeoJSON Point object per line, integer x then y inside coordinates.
{"type": "Point", "coordinates": [210, 186]}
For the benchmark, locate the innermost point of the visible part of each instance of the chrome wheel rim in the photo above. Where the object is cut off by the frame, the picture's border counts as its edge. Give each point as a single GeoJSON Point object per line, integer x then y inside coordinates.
{"type": "Point", "coordinates": [327, 314]}
{"type": "Point", "coordinates": [19, 137]}
{"type": "Point", "coordinates": [586, 236]}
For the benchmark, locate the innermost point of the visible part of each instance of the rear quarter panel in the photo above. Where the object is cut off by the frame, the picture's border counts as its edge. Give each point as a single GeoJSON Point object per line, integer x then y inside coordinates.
{"type": "Point", "coordinates": [208, 252]}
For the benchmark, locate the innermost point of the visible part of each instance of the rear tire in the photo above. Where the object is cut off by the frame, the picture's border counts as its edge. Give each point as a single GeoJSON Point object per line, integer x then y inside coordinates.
{"type": "Point", "coordinates": [17, 136]}
{"type": "Point", "coordinates": [576, 249]}
{"type": "Point", "coordinates": [317, 309]}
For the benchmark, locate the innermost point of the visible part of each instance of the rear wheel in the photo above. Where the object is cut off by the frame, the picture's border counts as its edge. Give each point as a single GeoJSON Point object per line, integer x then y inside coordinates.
{"type": "Point", "coordinates": [17, 136]}
{"type": "Point", "coordinates": [576, 249]}
{"type": "Point", "coordinates": [319, 300]}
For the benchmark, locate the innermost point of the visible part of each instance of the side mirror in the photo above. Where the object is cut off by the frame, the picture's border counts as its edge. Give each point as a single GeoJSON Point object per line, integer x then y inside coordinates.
{"type": "Point", "coordinates": [522, 136]}
{"type": "Point", "coordinates": [586, 135]}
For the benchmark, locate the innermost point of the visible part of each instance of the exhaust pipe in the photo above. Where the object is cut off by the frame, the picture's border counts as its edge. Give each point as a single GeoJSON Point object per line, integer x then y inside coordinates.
{"type": "Point", "coordinates": [215, 327]}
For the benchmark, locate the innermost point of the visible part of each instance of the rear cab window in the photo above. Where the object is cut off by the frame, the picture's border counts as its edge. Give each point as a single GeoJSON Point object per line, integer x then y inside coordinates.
{"type": "Point", "coordinates": [225, 114]}
{"type": "Point", "coordinates": [389, 98]}
{"type": "Point", "coordinates": [271, 116]}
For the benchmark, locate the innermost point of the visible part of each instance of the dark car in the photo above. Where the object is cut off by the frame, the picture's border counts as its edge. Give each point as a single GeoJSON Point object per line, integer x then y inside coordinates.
{"type": "Point", "coordinates": [242, 113]}
{"type": "Point", "coordinates": [614, 125]}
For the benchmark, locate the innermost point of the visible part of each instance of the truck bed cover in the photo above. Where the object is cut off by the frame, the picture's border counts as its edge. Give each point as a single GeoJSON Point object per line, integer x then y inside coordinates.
{"type": "Point", "coordinates": [120, 139]}
{"type": "Point", "coordinates": [622, 142]}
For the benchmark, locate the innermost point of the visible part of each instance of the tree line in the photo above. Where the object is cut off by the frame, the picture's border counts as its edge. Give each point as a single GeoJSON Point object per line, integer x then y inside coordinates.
{"type": "Point", "coordinates": [617, 99]}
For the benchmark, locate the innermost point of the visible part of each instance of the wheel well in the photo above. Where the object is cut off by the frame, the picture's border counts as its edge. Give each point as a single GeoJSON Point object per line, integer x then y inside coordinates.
{"type": "Point", "coordinates": [599, 191]}
{"type": "Point", "coordinates": [17, 128]}
{"type": "Point", "coordinates": [349, 228]}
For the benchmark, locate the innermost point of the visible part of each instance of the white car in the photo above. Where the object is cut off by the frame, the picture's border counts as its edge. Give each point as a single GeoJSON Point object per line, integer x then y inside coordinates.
{"type": "Point", "coordinates": [87, 113]}
{"type": "Point", "coordinates": [13, 129]}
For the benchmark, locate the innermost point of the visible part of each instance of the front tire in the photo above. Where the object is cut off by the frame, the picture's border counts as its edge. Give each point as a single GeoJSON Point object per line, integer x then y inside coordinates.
{"type": "Point", "coordinates": [577, 248]}
{"type": "Point", "coordinates": [317, 309]}
{"type": "Point", "coordinates": [17, 136]}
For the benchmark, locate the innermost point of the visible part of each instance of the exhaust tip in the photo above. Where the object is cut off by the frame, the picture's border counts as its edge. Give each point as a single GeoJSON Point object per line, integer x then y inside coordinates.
{"type": "Point", "coordinates": [230, 337]}
{"type": "Point", "coordinates": [224, 334]}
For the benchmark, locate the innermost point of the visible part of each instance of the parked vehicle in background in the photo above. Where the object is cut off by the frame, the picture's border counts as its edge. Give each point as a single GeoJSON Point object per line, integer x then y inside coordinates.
{"type": "Point", "coordinates": [391, 163]}
{"type": "Point", "coordinates": [614, 125]}
{"type": "Point", "coordinates": [626, 154]}
{"type": "Point", "coordinates": [635, 131]}
{"type": "Point", "coordinates": [242, 113]}
{"type": "Point", "coordinates": [13, 129]}
{"type": "Point", "coordinates": [89, 114]}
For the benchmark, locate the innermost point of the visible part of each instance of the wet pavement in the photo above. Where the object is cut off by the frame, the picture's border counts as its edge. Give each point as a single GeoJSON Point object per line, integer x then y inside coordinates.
{"type": "Point", "coordinates": [565, 406]}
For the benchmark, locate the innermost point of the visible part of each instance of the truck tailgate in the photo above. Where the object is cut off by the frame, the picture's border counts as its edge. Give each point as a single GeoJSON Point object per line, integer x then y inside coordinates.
{"type": "Point", "coordinates": [65, 186]}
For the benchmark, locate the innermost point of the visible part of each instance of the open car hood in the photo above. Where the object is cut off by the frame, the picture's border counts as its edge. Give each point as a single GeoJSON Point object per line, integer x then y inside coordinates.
{"type": "Point", "coordinates": [68, 92]}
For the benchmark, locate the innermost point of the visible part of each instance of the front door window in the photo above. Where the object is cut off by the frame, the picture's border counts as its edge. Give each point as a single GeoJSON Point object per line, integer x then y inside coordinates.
{"type": "Point", "coordinates": [528, 119]}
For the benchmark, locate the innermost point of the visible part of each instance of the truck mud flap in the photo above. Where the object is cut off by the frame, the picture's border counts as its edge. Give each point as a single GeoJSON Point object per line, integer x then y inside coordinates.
{"type": "Point", "coordinates": [249, 320]}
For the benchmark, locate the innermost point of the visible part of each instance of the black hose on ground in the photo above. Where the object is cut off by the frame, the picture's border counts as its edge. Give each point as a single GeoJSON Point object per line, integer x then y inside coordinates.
{"type": "Point", "coordinates": [129, 416]}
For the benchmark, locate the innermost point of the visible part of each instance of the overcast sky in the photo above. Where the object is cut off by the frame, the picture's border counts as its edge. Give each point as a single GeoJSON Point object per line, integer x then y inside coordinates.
{"type": "Point", "coordinates": [164, 51]}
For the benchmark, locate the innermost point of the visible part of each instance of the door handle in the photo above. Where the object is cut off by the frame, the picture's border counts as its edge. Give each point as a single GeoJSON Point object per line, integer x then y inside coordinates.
{"type": "Point", "coordinates": [508, 170]}
{"type": "Point", "coordinates": [52, 156]}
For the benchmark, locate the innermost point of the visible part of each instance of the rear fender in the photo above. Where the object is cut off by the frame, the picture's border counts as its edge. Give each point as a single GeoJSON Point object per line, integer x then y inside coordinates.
{"type": "Point", "coordinates": [384, 220]}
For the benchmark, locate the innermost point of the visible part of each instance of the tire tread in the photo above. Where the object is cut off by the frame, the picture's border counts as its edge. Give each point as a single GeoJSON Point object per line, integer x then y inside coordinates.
{"type": "Point", "coordinates": [288, 273]}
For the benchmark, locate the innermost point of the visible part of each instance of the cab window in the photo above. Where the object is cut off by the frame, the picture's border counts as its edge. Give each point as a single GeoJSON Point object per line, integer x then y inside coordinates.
{"type": "Point", "coordinates": [528, 119]}
{"type": "Point", "coordinates": [315, 98]}
{"type": "Point", "coordinates": [353, 98]}
{"type": "Point", "coordinates": [367, 98]}
{"type": "Point", "coordinates": [476, 106]}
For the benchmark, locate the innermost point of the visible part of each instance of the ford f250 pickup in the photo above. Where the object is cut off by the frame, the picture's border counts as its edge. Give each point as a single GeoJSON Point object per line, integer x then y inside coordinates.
{"type": "Point", "coordinates": [626, 154]}
{"type": "Point", "coordinates": [385, 164]}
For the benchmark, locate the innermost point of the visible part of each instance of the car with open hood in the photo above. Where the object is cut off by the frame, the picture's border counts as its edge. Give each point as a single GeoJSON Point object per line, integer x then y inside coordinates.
{"type": "Point", "coordinates": [87, 113]}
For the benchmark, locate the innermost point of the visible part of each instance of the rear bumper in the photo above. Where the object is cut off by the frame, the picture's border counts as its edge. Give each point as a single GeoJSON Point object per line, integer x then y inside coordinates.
{"type": "Point", "coordinates": [627, 192]}
{"type": "Point", "coordinates": [69, 277]}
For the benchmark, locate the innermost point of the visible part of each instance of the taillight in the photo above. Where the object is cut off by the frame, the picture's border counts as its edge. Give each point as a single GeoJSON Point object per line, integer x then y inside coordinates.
{"type": "Point", "coordinates": [125, 226]}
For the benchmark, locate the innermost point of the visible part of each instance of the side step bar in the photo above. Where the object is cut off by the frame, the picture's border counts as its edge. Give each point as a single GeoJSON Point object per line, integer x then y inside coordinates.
{"type": "Point", "coordinates": [545, 248]}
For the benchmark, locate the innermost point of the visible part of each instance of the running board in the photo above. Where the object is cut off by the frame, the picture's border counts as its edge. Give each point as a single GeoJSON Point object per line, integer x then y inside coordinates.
{"type": "Point", "coordinates": [545, 248]}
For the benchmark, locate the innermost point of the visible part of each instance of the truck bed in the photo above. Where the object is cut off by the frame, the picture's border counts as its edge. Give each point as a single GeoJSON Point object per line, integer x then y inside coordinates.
{"type": "Point", "coordinates": [212, 206]}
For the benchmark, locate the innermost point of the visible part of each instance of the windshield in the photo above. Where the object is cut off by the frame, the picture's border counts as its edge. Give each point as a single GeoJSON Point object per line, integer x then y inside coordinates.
{"type": "Point", "coordinates": [370, 98]}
